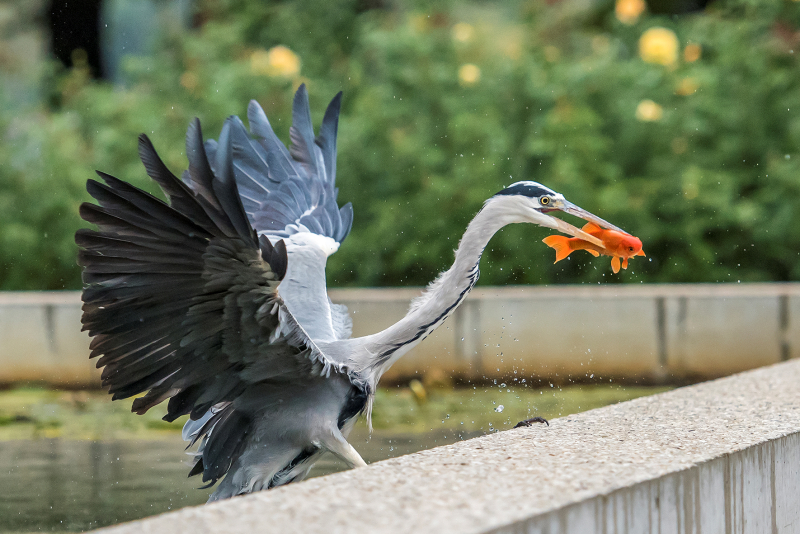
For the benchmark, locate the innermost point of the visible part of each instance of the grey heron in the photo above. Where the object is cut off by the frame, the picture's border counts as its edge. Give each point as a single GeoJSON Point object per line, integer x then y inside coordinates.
{"type": "Point", "coordinates": [217, 301]}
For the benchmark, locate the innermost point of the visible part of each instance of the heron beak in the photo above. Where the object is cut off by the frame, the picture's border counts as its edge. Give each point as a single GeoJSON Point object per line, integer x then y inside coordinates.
{"type": "Point", "coordinates": [568, 207]}
{"type": "Point", "coordinates": [566, 228]}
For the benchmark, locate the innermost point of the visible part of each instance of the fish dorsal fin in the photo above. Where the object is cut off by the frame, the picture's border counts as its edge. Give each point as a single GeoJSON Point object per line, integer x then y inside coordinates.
{"type": "Point", "coordinates": [590, 227]}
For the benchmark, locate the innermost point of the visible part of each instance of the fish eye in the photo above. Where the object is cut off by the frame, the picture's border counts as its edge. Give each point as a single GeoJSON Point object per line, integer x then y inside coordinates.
{"type": "Point", "coordinates": [630, 248]}
{"type": "Point", "coordinates": [544, 201]}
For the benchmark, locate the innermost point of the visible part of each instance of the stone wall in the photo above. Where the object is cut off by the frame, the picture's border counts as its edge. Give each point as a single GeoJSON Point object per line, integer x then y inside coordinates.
{"type": "Point", "coordinates": [718, 457]}
{"type": "Point", "coordinates": [655, 332]}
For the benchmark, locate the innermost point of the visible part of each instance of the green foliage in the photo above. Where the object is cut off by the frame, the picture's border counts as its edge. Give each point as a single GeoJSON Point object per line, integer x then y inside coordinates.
{"type": "Point", "coordinates": [30, 413]}
{"type": "Point", "coordinates": [476, 409]}
{"type": "Point", "coordinates": [710, 183]}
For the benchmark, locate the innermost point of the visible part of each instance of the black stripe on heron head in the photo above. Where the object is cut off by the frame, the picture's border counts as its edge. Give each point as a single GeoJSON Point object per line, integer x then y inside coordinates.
{"type": "Point", "coordinates": [527, 189]}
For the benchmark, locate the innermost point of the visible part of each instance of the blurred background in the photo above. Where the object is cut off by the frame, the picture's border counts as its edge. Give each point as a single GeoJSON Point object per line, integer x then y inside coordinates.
{"type": "Point", "coordinates": [678, 120]}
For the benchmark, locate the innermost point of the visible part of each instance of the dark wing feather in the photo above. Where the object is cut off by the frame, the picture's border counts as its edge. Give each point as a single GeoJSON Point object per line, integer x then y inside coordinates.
{"type": "Point", "coordinates": [181, 298]}
{"type": "Point", "coordinates": [282, 189]}
{"type": "Point", "coordinates": [327, 135]}
{"type": "Point", "coordinates": [303, 148]}
{"type": "Point", "coordinates": [225, 185]}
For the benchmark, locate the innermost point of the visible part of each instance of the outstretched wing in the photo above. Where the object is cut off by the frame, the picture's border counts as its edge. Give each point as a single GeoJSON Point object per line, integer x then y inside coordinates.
{"type": "Point", "coordinates": [288, 191]}
{"type": "Point", "coordinates": [181, 298]}
{"type": "Point", "coordinates": [290, 194]}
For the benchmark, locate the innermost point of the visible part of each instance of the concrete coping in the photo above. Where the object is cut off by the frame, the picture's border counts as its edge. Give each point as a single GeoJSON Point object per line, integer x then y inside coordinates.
{"type": "Point", "coordinates": [722, 456]}
{"type": "Point", "coordinates": [630, 331]}
{"type": "Point", "coordinates": [490, 292]}
{"type": "Point", "coordinates": [585, 290]}
{"type": "Point", "coordinates": [40, 298]}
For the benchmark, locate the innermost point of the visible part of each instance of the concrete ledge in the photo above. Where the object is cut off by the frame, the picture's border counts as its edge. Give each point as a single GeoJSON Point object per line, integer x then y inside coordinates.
{"type": "Point", "coordinates": [635, 331]}
{"type": "Point", "coordinates": [722, 456]}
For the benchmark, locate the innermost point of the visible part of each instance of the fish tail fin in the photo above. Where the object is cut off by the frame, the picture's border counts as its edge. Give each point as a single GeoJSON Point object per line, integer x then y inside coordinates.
{"type": "Point", "coordinates": [560, 244]}
{"type": "Point", "coordinates": [615, 264]}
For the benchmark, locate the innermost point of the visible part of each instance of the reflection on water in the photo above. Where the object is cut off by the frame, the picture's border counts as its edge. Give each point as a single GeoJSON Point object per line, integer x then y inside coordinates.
{"type": "Point", "coordinates": [52, 485]}
{"type": "Point", "coordinates": [65, 485]}
{"type": "Point", "coordinates": [72, 461]}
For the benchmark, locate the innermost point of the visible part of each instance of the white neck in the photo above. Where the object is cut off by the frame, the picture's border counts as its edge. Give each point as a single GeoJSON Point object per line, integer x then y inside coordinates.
{"type": "Point", "coordinates": [442, 296]}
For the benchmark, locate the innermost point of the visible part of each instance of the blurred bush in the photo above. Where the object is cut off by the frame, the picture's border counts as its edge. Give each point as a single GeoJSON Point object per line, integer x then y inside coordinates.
{"type": "Point", "coordinates": [683, 130]}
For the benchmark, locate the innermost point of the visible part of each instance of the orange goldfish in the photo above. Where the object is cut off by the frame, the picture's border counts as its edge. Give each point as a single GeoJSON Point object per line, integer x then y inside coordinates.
{"type": "Point", "coordinates": [618, 245]}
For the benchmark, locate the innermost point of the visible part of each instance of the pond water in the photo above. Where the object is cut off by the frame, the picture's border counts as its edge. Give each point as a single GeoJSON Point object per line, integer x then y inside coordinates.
{"type": "Point", "coordinates": [73, 461]}
{"type": "Point", "coordinates": [53, 485]}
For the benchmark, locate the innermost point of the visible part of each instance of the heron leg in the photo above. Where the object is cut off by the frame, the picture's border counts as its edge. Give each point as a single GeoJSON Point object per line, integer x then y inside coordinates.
{"type": "Point", "coordinates": [529, 422]}
{"type": "Point", "coordinates": [338, 445]}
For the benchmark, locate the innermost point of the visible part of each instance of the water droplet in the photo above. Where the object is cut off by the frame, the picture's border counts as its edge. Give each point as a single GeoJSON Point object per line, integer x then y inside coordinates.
{"type": "Point", "coordinates": [499, 408]}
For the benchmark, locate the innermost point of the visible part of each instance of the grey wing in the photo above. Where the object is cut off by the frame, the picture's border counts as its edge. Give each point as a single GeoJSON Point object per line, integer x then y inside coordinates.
{"type": "Point", "coordinates": [181, 299]}
{"type": "Point", "coordinates": [287, 191]}
{"type": "Point", "coordinates": [290, 194]}
{"type": "Point", "coordinates": [342, 323]}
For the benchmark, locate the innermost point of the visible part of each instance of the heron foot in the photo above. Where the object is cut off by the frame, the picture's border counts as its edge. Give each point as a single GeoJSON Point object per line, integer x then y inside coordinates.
{"type": "Point", "coordinates": [529, 422]}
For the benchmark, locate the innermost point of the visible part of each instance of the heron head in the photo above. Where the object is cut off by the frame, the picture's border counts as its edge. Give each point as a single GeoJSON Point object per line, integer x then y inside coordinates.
{"type": "Point", "coordinates": [532, 202]}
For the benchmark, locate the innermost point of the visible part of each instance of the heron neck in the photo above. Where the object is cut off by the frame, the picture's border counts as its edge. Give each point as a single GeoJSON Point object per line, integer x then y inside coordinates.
{"type": "Point", "coordinates": [442, 296]}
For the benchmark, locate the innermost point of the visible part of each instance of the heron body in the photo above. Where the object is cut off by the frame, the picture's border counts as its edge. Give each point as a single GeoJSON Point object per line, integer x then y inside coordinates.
{"type": "Point", "coordinates": [216, 300]}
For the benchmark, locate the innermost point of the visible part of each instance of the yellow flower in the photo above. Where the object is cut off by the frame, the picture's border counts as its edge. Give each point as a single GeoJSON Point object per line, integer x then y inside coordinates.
{"type": "Point", "coordinates": [189, 80]}
{"type": "Point", "coordinates": [628, 11]}
{"type": "Point", "coordinates": [649, 111]}
{"type": "Point", "coordinates": [277, 61]}
{"type": "Point", "coordinates": [692, 52]}
{"type": "Point", "coordinates": [659, 45]}
{"type": "Point", "coordinates": [511, 47]}
{"type": "Point", "coordinates": [690, 190]}
{"type": "Point", "coordinates": [687, 86]}
{"type": "Point", "coordinates": [468, 75]}
{"type": "Point", "coordinates": [600, 44]}
{"type": "Point", "coordinates": [259, 62]}
{"type": "Point", "coordinates": [463, 32]}
{"type": "Point", "coordinates": [420, 23]}
{"type": "Point", "coordinates": [551, 53]}
{"type": "Point", "coordinates": [679, 145]}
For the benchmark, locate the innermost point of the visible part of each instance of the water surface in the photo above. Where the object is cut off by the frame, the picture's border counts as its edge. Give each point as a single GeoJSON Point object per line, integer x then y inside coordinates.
{"type": "Point", "coordinates": [73, 461]}
{"type": "Point", "coordinates": [53, 485]}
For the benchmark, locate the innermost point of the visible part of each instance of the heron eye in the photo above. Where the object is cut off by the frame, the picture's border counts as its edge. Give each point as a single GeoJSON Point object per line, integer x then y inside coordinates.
{"type": "Point", "coordinates": [544, 201]}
